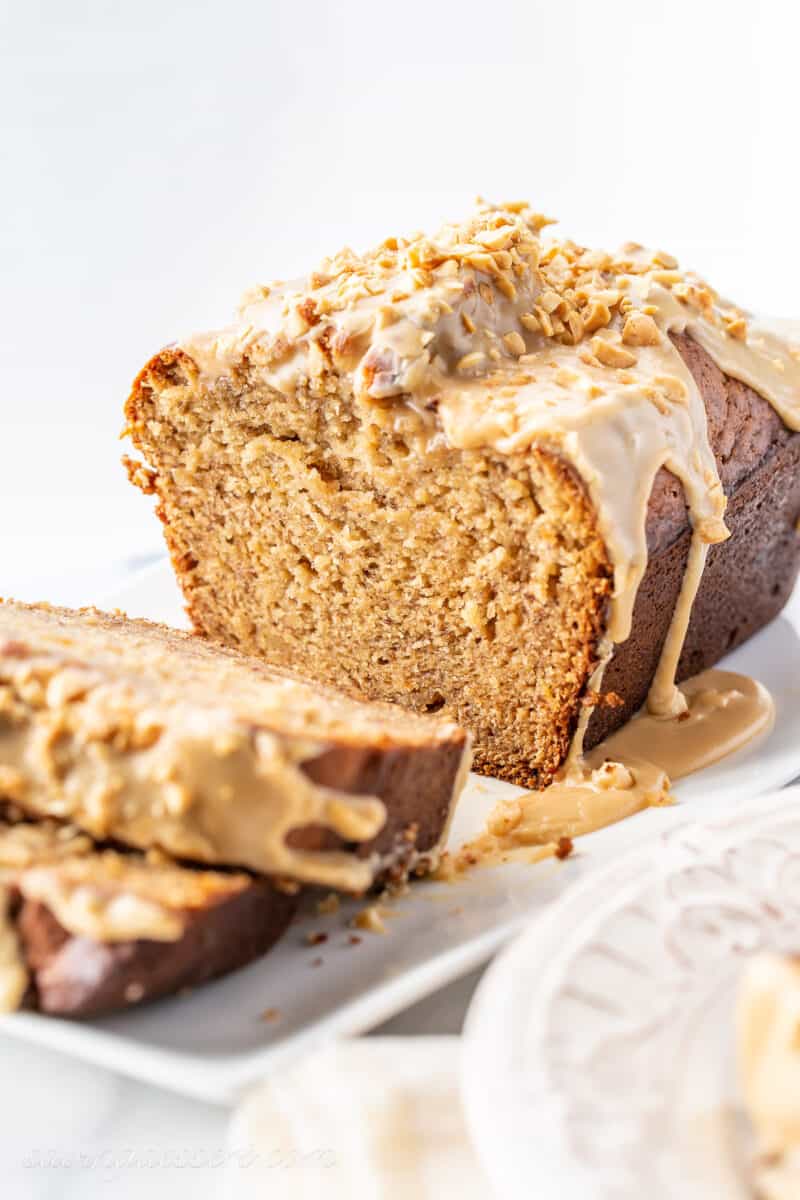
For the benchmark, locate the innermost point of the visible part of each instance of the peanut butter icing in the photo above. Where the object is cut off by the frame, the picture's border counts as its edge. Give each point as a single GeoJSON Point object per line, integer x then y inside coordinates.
{"type": "Point", "coordinates": [628, 772]}
{"type": "Point", "coordinates": [491, 336]}
{"type": "Point", "coordinates": [103, 728]}
{"type": "Point", "coordinates": [24, 844]}
{"type": "Point", "coordinates": [102, 895]}
{"type": "Point", "coordinates": [115, 898]}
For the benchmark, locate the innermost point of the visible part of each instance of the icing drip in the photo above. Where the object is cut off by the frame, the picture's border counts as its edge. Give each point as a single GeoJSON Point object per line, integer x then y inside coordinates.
{"type": "Point", "coordinates": [720, 711]}
{"type": "Point", "coordinates": [664, 698]}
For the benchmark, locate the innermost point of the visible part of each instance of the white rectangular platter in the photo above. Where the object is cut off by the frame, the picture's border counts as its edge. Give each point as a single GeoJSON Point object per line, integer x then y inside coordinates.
{"type": "Point", "coordinates": [214, 1042]}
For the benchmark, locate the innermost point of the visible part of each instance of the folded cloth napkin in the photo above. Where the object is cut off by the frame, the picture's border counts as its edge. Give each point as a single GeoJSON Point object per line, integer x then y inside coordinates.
{"type": "Point", "coordinates": [367, 1119]}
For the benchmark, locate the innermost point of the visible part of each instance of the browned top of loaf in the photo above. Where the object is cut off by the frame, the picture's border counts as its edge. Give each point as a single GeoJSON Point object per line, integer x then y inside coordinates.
{"type": "Point", "coordinates": [170, 666]}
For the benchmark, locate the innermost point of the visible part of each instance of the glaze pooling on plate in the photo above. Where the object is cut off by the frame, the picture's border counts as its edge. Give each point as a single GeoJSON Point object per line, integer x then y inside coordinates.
{"type": "Point", "coordinates": [628, 772]}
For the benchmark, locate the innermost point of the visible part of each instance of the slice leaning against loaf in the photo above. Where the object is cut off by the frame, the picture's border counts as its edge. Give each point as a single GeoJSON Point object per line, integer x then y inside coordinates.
{"type": "Point", "coordinates": [85, 930]}
{"type": "Point", "coordinates": [157, 739]}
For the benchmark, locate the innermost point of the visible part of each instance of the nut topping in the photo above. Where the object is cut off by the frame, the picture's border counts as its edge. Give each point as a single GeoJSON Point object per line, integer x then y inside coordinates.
{"type": "Point", "coordinates": [640, 330]}
{"type": "Point", "coordinates": [612, 355]}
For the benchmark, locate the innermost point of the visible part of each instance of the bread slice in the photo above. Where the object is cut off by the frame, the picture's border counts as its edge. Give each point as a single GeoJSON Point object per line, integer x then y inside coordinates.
{"type": "Point", "coordinates": [86, 930]}
{"type": "Point", "coordinates": [380, 475]}
{"type": "Point", "coordinates": [156, 739]}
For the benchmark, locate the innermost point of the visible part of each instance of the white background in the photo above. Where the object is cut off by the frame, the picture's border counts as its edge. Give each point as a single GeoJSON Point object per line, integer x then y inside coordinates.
{"type": "Point", "coordinates": [158, 157]}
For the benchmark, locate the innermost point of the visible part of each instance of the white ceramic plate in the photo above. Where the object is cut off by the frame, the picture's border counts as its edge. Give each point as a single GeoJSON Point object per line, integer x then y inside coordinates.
{"type": "Point", "coordinates": [599, 1048]}
{"type": "Point", "coordinates": [212, 1043]}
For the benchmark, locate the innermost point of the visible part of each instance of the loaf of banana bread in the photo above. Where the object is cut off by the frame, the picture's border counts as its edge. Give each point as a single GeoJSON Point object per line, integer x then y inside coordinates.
{"type": "Point", "coordinates": [473, 472]}
{"type": "Point", "coordinates": [158, 740]}
{"type": "Point", "coordinates": [85, 930]}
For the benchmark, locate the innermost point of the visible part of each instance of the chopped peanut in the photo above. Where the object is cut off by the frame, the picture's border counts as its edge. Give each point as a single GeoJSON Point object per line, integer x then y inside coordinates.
{"type": "Point", "coordinates": [612, 355]}
{"type": "Point", "coordinates": [640, 330]}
